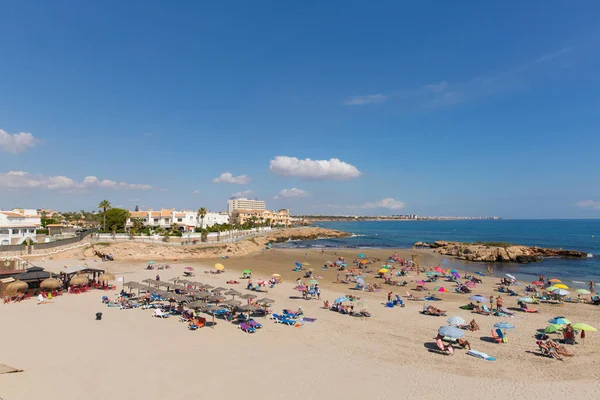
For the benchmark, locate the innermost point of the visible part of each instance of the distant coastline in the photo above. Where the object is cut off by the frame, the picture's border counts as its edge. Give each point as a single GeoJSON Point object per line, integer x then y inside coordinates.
{"type": "Point", "coordinates": [314, 218]}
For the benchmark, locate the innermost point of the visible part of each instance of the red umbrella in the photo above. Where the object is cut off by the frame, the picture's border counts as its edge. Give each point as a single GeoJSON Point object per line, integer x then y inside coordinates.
{"type": "Point", "coordinates": [420, 282]}
{"type": "Point", "coordinates": [537, 283]}
{"type": "Point", "coordinates": [300, 288]}
{"type": "Point", "coordinates": [438, 269]}
{"type": "Point", "coordinates": [190, 269]}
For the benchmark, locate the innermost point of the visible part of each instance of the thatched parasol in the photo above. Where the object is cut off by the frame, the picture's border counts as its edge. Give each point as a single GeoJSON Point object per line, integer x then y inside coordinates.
{"type": "Point", "coordinates": [247, 307]}
{"type": "Point", "coordinates": [216, 298]}
{"type": "Point", "coordinates": [202, 295]}
{"type": "Point", "coordinates": [265, 300]}
{"type": "Point", "coordinates": [105, 277]}
{"type": "Point", "coordinates": [196, 304]}
{"type": "Point", "coordinates": [132, 284]}
{"type": "Point", "coordinates": [219, 289]}
{"type": "Point", "coordinates": [16, 286]}
{"type": "Point", "coordinates": [233, 293]}
{"type": "Point", "coordinates": [149, 281]}
{"type": "Point", "coordinates": [233, 303]}
{"type": "Point", "coordinates": [248, 296]}
{"type": "Point", "coordinates": [79, 280]}
{"type": "Point", "coordinates": [208, 287]}
{"type": "Point", "coordinates": [50, 284]}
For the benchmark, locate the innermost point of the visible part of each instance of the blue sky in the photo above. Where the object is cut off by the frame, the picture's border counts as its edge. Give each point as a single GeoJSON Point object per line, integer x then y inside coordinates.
{"type": "Point", "coordinates": [338, 107]}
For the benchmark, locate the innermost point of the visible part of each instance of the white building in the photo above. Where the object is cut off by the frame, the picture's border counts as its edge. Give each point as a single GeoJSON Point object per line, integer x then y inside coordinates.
{"type": "Point", "coordinates": [186, 220]}
{"type": "Point", "coordinates": [18, 225]}
{"type": "Point", "coordinates": [244, 204]}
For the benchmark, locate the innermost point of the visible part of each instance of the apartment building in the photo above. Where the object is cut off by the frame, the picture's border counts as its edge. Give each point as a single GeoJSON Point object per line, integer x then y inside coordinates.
{"type": "Point", "coordinates": [18, 225]}
{"type": "Point", "coordinates": [186, 220]}
{"type": "Point", "coordinates": [244, 204]}
{"type": "Point", "coordinates": [272, 218]}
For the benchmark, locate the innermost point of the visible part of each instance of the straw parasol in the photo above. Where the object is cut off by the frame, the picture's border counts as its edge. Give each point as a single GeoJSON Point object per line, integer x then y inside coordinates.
{"type": "Point", "coordinates": [248, 296]}
{"type": "Point", "coordinates": [50, 283]}
{"type": "Point", "coordinates": [196, 304]}
{"type": "Point", "coordinates": [131, 284]}
{"type": "Point", "coordinates": [233, 293]}
{"type": "Point", "coordinates": [149, 281]}
{"type": "Point", "coordinates": [265, 300]}
{"type": "Point", "coordinates": [202, 295]}
{"type": "Point", "coordinates": [207, 287]}
{"type": "Point", "coordinates": [247, 307]}
{"type": "Point", "coordinates": [233, 303]}
{"type": "Point", "coordinates": [15, 287]}
{"type": "Point", "coordinates": [79, 280]}
{"type": "Point", "coordinates": [219, 289]}
{"type": "Point", "coordinates": [216, 297]}
{"type": "Point", "coordinates": [105, 277]}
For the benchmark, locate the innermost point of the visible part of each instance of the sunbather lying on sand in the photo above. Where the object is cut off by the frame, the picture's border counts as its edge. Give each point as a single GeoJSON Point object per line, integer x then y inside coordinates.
{"type": "Point", "coordinates": [232, 282]}
{"type": "Point", "coordinates": [431, 310]}
{"type": "Point", "coordinates": [560, 349]}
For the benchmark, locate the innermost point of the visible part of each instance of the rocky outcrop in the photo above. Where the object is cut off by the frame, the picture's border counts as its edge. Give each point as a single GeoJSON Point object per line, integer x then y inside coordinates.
{"type": "Point", "coordinates": [498, 252]}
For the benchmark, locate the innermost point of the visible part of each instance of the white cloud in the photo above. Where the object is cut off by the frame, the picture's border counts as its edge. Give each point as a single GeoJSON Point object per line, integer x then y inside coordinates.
{"type": "Point", "coordinates": [293, 192]}
{"type": "Point", "coordinates": [163, 190]}
{"type": "Point", "coordinates": [388, 203]}
{"type": "Point", "coordinates": [595, 205]}
{"type": "Point", "coordinates": [243, 193]}
{"type": "Point", "coordinates": [368, 99]}
{"type": "Point", "coordinates": [25, 180]}
{"type": "Point", "coordinates": [333, 169]}
{"type": "Point", "coordinates": [227, 177]}
{"type": "Point", "coordinates": [196, 192]}
{"type": "Point", "coordinates": [17, 142]}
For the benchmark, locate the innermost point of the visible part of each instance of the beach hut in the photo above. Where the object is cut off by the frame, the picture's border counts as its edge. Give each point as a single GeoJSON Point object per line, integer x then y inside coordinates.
{"type": "Point", "coordinates": [15, 287]}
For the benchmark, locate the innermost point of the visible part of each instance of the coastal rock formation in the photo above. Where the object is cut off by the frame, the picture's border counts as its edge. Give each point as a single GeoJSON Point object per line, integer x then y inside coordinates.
{"type": "Point", "coordinates": [498, 252]}
{"type": "Point", "coordinates": [132, 250]}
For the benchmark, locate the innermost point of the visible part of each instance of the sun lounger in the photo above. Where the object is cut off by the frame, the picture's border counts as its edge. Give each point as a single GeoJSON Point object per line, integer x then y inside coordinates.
{"type": "Point", "coordinates": [246, 328]}
{"type": "Point", "coordinates": [496, 338]}
{"type": "Point", "coordinates": [443, 349]}
{"type": "Point", "coordinates": [286, 321]}
{"type": "Point", "coordinates": [159, 314]}
{"type": "Point", "coordinates": [254, 324]}
{"type": "Point", "coordinates": [409, 296]}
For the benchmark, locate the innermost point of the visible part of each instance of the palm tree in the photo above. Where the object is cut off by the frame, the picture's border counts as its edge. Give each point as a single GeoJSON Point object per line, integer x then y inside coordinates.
{"type": "Point", "coordinates": [201, 214]}
{"type": "Point", "coordinates": [104, 205]}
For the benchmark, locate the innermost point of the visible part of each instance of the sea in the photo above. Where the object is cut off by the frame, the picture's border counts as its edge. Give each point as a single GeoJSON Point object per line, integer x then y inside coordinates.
{"type": "Point", "coordinates": [581, 235]}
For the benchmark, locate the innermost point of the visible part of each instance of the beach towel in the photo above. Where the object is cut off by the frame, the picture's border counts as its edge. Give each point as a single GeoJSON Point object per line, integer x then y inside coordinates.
{"type": "Point", "coordinates": [306, 319]}
{"type": "Point", "coordinates": [480, 354]}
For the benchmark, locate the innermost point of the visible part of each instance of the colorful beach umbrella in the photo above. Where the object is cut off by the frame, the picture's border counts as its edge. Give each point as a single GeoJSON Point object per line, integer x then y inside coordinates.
{"type": "Point", "coordinates": [219, 267]}
{"type": "Point", "coordinates": [305, 263]}
{"type": "Point", "coordinates": [300, 288]}
{"type": "Point", "coordinates": [276, 276]}
{"type": "Point", "coordinates": [584, 327]}
{"type": "Point", "coordinates": [554, 280]}
{"type": "Point", "coordinates": [526, 300]}
{"type": "Point", "coordinates": [504, 325]}
{"type": "Point", "coordinates": [360, 255]}
{"type": "Point", "coordinates": [561, 286]}
{"type": "Point", "coordinates": [438, 269]}
{"type": "Point", "coordinates": [456, 321]}
{"type": "Point", "coordinates": [537, 283]}
{"type": "Point", "coordinates": [298, 264]}
{"type": "Point", "coordinates": [440, 289]}
{"type": "Point", "coordinates": [313, 282]}
{"type": "Point", "coordinates": [553, 328]}
{"type": "Point", "coordinates": [511, 276]}
{"type": "Point", "coordinates": [342, 299]}
{"type": "Point", "coordinates": [363, 262]}
{"type": "Point", "coordinates": [559, 321]}
{"type": "Point", "coordinates": [383, 271]}
{"type": "Point", "coordinates": [478, 298]}
{"type": "Point", "coordinates": [189, 269]}
{"type": "Point", "coordinates": [151, 262]}
{"type": "Point", "coordinates": [582, 291]}
{"type": "Point", "coordinates": [420, 282]}
{"type": "Point", "coordinates": [247, 271]}
{"type": "Point", "coordinates": [451, 332]}
{"type": "Point", "coordinates": [456, 275]}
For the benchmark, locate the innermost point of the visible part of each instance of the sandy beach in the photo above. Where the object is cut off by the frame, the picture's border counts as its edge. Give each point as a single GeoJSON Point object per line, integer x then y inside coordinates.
{"type": "Point", "coordinates": [66, 353]}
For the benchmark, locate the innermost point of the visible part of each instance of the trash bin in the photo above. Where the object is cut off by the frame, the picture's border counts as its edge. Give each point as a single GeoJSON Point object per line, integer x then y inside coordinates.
{"type": "Point", "coordinates": [98, 316]}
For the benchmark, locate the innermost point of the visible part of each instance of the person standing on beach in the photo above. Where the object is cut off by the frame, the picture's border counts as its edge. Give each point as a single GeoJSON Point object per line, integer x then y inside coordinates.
{"type": "Point", "coordinates": [499, 302]}
{"type": "Point", "coordinates": [592, 286]}
{"type": "Point", "coordinates": [318, 290]}
{"type": "Point", "coordinates": [491, 302]}
{"type": "Point", "coordinates": [389, 297]}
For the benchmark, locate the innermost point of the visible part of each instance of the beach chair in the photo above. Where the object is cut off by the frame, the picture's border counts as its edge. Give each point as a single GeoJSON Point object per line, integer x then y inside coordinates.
{"type": "Point", "coordinates": [286, 321]}
{"type": "Point", "coordinates": [548, 351]}
{"type": "Point", "coordinates": [158, 313]}
{"type": "Point", "coordinates": [596, 300]}
{"type": "Point", "coordinates": [496, 338]}
{"type": "Point", "coordinates": [501, 335]}
{"type": "Point", "coordinates": [443, 349]}
{"type": "Point", "coordinates": [246, 328]}
{"type": "Point", "coordinates": [254, 324]}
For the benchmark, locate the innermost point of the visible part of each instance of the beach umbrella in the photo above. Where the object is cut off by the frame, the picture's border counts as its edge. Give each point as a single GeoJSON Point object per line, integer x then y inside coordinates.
{"type": "Point", "coordinates": [233, 293]}
{"type": "Point", "coordinates": [248, 296]}
{"type": "Point", "coordinates": [582, 291]}
{"type": "Point", "coordinates": [233, 303]}
{"type": "Point", "coordinates": [553, 328]}
{"type": "Point", "coordinates": [148, 281]}
{"type": "Point", "coordinates": [50, 283]}
{"type": "Point", "coordinates": [451, 332]}
{"type": "Point", "coordinates": [456, 275]}
{"type": "Point", "coordinates": [247, 271]}
{"type": "Point", "coordinates": [276, 276]}
{"type": "Point", "coordinates": [421, 282]}
{"type": "Point", "coordinates": [79, 280]}
{"type": "Point", "coordinates": [559, 321]}
{"type": "Point", "coordinates": [131, 284]}
{"type": "Point", "coordinates": [456, 321]}
{"type": "Point", "coordinates": [537, 283]}
{"type": "Point", "coordinates": [554, 280]}
{"type": "Point", "coordinates": [440, 289]}
{"type": "Point", "coordinates": [438, 269]}
{"type": "Point", "coordinates": [478, 298]}
{"type": "Point", "coordinates": [265, 300]}
{"type": "Point", "coordinates": [511, 276]}
{"type": "Point", "coordinates": [341, 299]}
{"type": "Point", "coordinates": [298, 264]}
{"type": "Point", "coordinates": [189, 269]}
{"type": "Point", "coordinates": [551, 288]}
{"type": "Point", "coordinates": [300, 288]}
{"type": "Point", "coordinates": [383, 271]}
{"type": "Point", "coordinates": [363, 262]}
{"type": "Point", "coordinates": [305, 264]}
{"type": "Point", "coordinates": [560, 292]}
{"type": "Point", "coordinates": [386, 266]}
{"type": "Point", "coordinates": [247, 307]}
{"type": "Point", "coordinates": [360, 281]}
{"type": "Point", "coordinates": [313, 282]}
{"type": "Point", "coordinates": [216, 297]}
{"type": "Point", "coordinates": [207, 287]}
{"type": "Point", "coordinates": [219, 289]}
{"type": "Point", "coordinates": [360, 255]}
{"type": "Point", "coordinates": [526, 300]}
{"type": "Point", "coordinates": [202, 295]}
{"type": "Point", "coordinates": [151, 262]}
{"type": "Point", "coordinates": [219, 267]}
{"type": "Point", "coordinates": [561, 286]}
{"type": "Point", "coordinates": [105, 277]}
{"type": "Point", "coordinates": [584, 327]}
{"type": "Point", "coordinates": [504, 325]}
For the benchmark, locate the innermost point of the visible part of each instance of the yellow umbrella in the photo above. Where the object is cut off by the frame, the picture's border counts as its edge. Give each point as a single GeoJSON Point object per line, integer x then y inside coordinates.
{"type": "Point", "coordinates": [276, 275]}
{"type": "Point", "coordinates": [219, 267]}
{"type": "Point", "coordinates": [561, 286]}
{"type": "Point", "coordinates": [383, 271]}
{"type": "Point", "coordinates": [584, 327]}
{"type": "Point", "coordinates": [305, 264]}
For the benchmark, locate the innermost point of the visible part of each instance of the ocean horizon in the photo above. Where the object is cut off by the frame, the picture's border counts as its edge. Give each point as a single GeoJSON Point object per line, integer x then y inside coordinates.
{"type": "Point", "coordinates": [573, 234]}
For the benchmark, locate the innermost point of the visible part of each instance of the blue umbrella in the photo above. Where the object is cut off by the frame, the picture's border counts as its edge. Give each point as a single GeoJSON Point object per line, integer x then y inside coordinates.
{"type": "Point", "coordinates": [559, 321]}
{"type": "Point", "coordinates": [361, 255]}
{"type": "Point", "coordinates": [338, 262]}
{"type": "Point", "coordinates": [479, 298]}
{"type": "Point", "coordinates": [504, 325]}
{"type": "Point", "coordinates": [298, 264]}
{"type": "Point", "coordinates": [451, 332]}
{"type": "Point", "coordinates": [341, 299]}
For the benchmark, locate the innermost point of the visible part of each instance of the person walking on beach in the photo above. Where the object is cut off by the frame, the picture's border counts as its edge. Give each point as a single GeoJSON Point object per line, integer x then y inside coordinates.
{"type": "Point", "coordinates": [491, 302]}
{"type": "Point", "coordinates": [157, 277]}
{"type": "Point", "coordinates": [389, 297]}
{"type": "Point", "coordinates": [318, 290]}
{"type": "Point", "coordinates": [592, 286]}
{"type": "Point", "coordinates": [499, 302]}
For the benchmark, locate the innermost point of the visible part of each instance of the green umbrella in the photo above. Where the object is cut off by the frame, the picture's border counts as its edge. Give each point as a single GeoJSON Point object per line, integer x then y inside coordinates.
{"type": "Point", "coordinates": [551, 288]}
{"type": "Point", "coordinates": [582, 291]}
{"type": "Point", "coordinates": [247, 271]}
{"type": "Point", "coordinates": [313, 282]}
{"type": "Point", "coordinates": [553, 328]}
{"type": "Point", "coordinates": [584, 327]}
